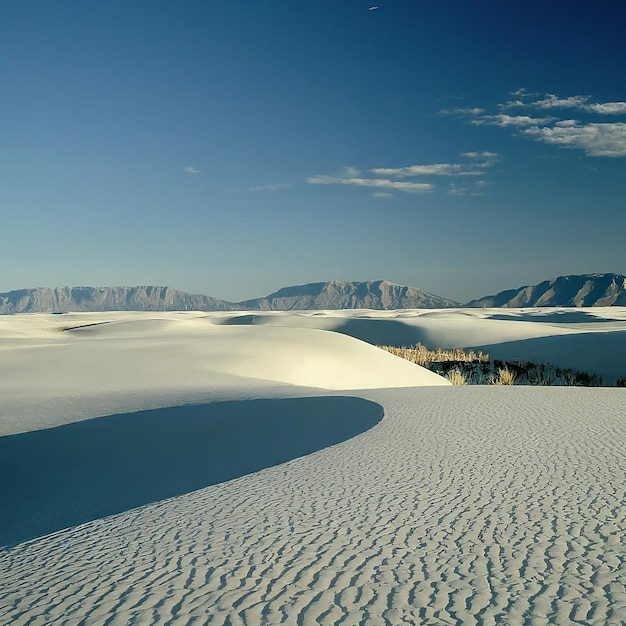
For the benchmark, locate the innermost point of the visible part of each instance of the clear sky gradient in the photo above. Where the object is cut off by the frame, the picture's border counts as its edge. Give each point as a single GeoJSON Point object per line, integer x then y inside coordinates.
{"type": "Point", "coordinates": [234, 147]}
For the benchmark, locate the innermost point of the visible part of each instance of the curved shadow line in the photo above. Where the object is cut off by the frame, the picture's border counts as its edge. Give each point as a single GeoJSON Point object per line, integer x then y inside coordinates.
{"type": "Point", "coordinates": [68, 475]}
{"type": "Point", "coordinates": [382, 332]}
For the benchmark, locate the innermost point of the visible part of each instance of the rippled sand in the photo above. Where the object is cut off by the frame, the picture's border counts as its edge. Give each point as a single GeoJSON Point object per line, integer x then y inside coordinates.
{"type": "Point", "coordinates": [464, 506]}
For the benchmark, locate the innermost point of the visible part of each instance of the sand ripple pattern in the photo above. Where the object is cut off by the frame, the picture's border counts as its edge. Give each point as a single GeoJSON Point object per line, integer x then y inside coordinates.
{"type": "Point", "coordinates": [463, 506]}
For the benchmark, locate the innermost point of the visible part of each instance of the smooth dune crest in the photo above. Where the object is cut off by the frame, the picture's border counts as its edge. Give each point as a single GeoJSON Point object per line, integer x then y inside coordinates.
{"type": "Point", "coordinates": [55, 369]}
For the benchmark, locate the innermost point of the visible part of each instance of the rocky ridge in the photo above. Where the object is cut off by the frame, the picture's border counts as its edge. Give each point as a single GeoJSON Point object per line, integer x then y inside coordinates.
{"type": "Point", "coordinates": [64, 299]}
{"type": "Point", "coordinates": [378, 294]}
{"type": "Point", "coordinates": [566, 291]}
{"type": "Point", "coordinates": [586, 290]}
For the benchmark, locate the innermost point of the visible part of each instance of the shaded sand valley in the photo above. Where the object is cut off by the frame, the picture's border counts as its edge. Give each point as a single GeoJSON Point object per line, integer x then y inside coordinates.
{"type": "Point", "coordinates": [78, 472]}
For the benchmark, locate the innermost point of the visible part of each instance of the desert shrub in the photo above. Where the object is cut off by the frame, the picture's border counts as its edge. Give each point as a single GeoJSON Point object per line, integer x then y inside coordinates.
{"type": "Point", "coordinates": [585, 379]}
{"type": "Point", "coordinates": [476, 368]}
{"type": "Point", "coordinates": [457, 377]}
{"type": "Point", "coordinates": [422, 355]}
{"type": "Point", "coordinates": [569, 378]}
{"type": "Point", "coordinates": [621, 381]}
{"type": "Point", "coordinates": [505, 377]}
{"type": "Point", "coordinates": [541, 375]}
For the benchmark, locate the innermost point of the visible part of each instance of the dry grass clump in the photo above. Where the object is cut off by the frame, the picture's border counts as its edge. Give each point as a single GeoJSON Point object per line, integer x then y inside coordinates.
{"type": "Point", "coordinates": [421, 355]}
{"type": "Point", "coordinates": [476, 368]}
{"type": "Point", "coordinates": [457, 377]}
{"type": "Point", "coordinates": [505, 377]}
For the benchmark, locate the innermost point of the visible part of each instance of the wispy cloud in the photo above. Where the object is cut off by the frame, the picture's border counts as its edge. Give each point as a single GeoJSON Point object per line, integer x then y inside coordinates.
{"type": "Point", "coordinates": [350, 172]}
{"type": "Point", "coordinates": [192, 170]}
{"type": "Point", "coordinates": [522, 92]}
{"type": "Point", "coordinates": [608, 108]}
{"type": "Point", "coordinates": [597, 140]}
{"type": "Point", "coordinates": [455, 190]}
{"type": "Point", "coordinates": [551, 101]}
{"type": "Point", "coordinates": [435, 169]}
{"type": "Point", "coordinates": [378, 183]}
{"type": "Point", "coordinates": [382, 194]}
{"type": "Point", "coordinates": [385, 179]}
{"type": "Point", "coordinates": [461, 111]}
{"type": "Point", "coordinates": [273, 187]}
{"type": "Point", "coordinates": [480, 155]}
{"type": "Point", "coordinates": [473, 168]}
{"type": "Point", "coordinates": [503, 120]}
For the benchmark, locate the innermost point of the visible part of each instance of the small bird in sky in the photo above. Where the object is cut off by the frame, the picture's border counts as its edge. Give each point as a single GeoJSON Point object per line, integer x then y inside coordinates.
{"type": "Point", "coordinates": [373, 8]}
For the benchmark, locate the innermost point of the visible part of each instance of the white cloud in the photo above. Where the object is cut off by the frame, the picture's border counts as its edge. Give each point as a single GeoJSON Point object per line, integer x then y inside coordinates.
{"type": "Point", "coordinates": [350, 171]}
{"type": "Point", "coordinates": [512, 104]}
{"type": "Point", "coordinates": [595, 139]}
{"type": "Point", "coordinates": [473, 111]}
{"type": "Point", "coordinates": [581, 103]}
{"type": "Point", "coordinates": [384, 179]}
{"type": "Point", "coordinates": [192, 170]}
{"type": "Point", "coordinates": [503, 120]}
{"type": "Point", "coordinates": [551, 101]}
{"type": "Point", "coordinates": [476, 189]}
{"type": "Point", "coordinates": [378, 183]}
{"type": "Point", "coordinates": [480, 155]}
{"type": "Point", "coordinates": [435, 169]}
{"type": "Point", "coordinates": [269, 187]}
{"type": "Point", "coordinates": [608, 108]}
{"type": "Point", "coordinates": [472, 168]}
{"type": "Point", "coordinates": [522, 92]}
{"type": "Point", "coordinates": [462, 191]}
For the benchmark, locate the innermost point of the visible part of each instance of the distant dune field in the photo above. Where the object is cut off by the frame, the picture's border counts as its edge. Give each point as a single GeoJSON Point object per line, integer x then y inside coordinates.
{"type": "Point", "coordinates": [233, 468]}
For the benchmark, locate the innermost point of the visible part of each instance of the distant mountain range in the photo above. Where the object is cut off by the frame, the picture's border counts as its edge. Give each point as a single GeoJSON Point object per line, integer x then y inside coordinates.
{"type": "Point", "coordinates": [571, 291]}
{"type": "Point", "coordinates": [63, 299]}
{"type": "Point", "coordinates": [378, 294]}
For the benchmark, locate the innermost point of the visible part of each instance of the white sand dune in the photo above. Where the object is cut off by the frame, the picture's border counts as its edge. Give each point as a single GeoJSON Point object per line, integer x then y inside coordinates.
{"type": "Point", "coordinates": [476, 505]}
{"type": "Point", "coordinates": [55, 369]}
{"type": "Point", "coordinates": [592, 339]}
{"type": "Point", "coordinates": [75, 473]}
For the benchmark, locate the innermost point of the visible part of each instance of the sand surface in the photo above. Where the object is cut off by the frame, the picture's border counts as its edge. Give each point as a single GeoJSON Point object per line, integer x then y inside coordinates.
{"type": "Point", "coordinates": [591, 339]}
{"type": "Point", "coordinates": [464, 505]}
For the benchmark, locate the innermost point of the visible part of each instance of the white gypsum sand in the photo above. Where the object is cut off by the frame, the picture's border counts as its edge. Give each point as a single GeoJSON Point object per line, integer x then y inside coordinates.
{"type": "Point", "coordinates": [55, 369]}
{"type": "Point", "coordinates": [474, 505]}
{"type": "Point", "coordinates": [588, 339]}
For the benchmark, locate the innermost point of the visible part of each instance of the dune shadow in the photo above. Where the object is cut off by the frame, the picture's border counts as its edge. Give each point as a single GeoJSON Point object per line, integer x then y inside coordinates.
{"type": "Point", "coordinates": [598, 353]}
{"type": "Point", "coordinates": [382, 332]}
{"type": "Point", "coordinates": [65, 476]}
{"type": "Point", "coordinates": [244, 320]}
{"type": "Point", "coordinates": [559, 317]}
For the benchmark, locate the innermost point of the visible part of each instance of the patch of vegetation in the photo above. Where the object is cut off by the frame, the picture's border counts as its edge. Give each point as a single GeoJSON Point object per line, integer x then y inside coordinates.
{"type": "Point", "coordinates": [422, 355]}
{"type": "Point", "coordinates": [457, 377]}
{"type": "Point", "coordinates": [477, 368]}
{"type": "Point", "coordinates": [505, 377]}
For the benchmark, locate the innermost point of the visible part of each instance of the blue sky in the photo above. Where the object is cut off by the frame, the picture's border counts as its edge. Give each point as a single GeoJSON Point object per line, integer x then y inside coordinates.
{"type": "Point", "coordinates": [232, 148]}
